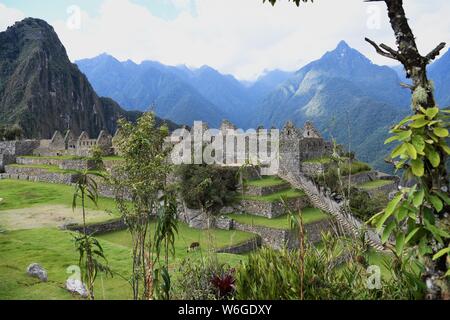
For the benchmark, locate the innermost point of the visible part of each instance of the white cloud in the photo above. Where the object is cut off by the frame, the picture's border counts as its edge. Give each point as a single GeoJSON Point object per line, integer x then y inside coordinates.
{"type": "Point", "coordinates": [245, 37]}
{"type": "Point", "coordinates": [8, 16]}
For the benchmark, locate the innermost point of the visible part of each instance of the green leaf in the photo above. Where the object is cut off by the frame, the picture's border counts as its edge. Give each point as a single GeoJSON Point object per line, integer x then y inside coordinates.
{"type": "Point", "coordinates": [434, 157]}
{"type": "Point", "coordinates": [423, 246]}
{"type": "Point", "coordinates": [399, 150]}
{"type": "Point", "coordinates": [404, 135]}
{"type": "Point", "coordinates": [419, 123]}
{"type": "Point", "coordinates": [418, 198]}
{"type": "Point", "coordinates": [387, 231]}
{"type": "Point", "coordinates": [444, 197]}
{"type": "Point", "coordinates": [446, 148]}
{"type": "Point", "coordinates": [411, 235]}
{"type": "Point", "coordinates": [418, 143]}
{"type": "Point", "coordinates": [441, 132]}
{"type": "Point", "coordinates": [390, 208]}
{"type": "Point", "coordinates": [417, 167]}
{"type": "Point", "coordinates": [393, 204]}
{"type": "Point", "coordinates": [411, 150]}
{"type": "Point", "coordinates": [391, 139]}
{"type": "Point", "coordinates": [432, 112]}
{"type": "Point", "coordinates": [399, 243]}
{"type": "Point", "coordinates": [437, 203]}
{"type": "Point", "coordinates": [441, 253]}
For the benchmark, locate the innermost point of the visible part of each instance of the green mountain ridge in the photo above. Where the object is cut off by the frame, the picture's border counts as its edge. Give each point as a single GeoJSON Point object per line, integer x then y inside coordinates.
{"type": "Point", "coordinates": [42, 91]}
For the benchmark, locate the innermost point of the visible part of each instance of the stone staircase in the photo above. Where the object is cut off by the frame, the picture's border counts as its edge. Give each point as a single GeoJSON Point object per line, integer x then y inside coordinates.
{"type": "Point", "coordinates": [320, 199]}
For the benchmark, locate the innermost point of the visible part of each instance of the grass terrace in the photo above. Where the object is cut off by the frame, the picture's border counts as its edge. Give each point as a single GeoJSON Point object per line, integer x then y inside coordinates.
{"type": "Point", "coordinates": [268, 181]}
{"type": "Point", "coordinates": [374, 184]}
{"type": "Point", "coordinates": [54, 250]}
{"type": "Point", "coordinates": [310, 215]}
{"type": "Point", "coordinates": [49, 168]}
{"type": "Point", "coordinates": [286, 194]}
{"type": "Point", "coordinates": [18, 194]}
{"type": "Point", "coordinates": [321, 160]}
{"type": "Point", "coordinates": [109, 158]}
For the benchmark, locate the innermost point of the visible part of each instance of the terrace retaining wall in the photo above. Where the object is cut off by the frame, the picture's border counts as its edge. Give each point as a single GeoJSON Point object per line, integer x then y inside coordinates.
{"type": "Point", "coordinates": [248, 246]}
{"type": "Point", "coordinates": [264, 191]}
{"type": "Point", "coordinates": [98, 228]}
{"type": "Point", "coordinates": [271, 209]}
{"type": "Point", "coordinates": [280, 238]}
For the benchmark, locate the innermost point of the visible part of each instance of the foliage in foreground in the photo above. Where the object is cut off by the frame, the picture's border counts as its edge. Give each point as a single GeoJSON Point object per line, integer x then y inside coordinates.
{"type": "Point", "coordinates": [338, 270]}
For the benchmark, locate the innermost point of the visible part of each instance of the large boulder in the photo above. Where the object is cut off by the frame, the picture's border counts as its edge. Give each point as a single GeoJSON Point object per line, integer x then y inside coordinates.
{"type": "Point", "coordinates": [36, 271]}
{"type": "Point", "coordinates": [76, 286]}
{"type": "Point", "coordinates": [196, 219]}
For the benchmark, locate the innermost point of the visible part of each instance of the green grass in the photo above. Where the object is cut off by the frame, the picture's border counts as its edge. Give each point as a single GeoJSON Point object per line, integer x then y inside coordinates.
{"type": "Point", "coordinates": [310, 215]}
{"type": "Point", "coordinates": [288, 194]}
{"type": "Point", "coordinates": [49, 168]}
{"type": "Point", "coordinates": [268, 181]}
{"type": "Point", "coordinates": [321, 160]}
{"type": "Point", "coordinates": [354, 168]}
{"type": "Point", "coordinates": [55, 251]}
{"type": "Point", "coordinates": [374, 184]}
{"type": "Point", "coordinates": [54, 157]}
{"type": "Point", "coordinates": [208, 239]}
{"type": "Point", "coordinates": [17, 194]}
{"type": "Point", "coordinates": [113, 158]}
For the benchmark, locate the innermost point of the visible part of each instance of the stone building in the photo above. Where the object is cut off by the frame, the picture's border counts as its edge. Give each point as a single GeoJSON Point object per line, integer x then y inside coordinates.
{"type": "Point", "coordinates": [71, 145]}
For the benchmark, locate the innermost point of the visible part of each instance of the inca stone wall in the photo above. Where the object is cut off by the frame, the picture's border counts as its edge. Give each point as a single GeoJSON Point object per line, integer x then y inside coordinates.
{"type": "Point", "coordinates": [271, 209]}
{"type": "Point", "coordinates": [98, 228]}
{"type": "Point", "coordinates": [362, 177]}
{"type": "Point", "coordinates": [248, 246]}
{"type": "Point", "coordinates": [264, 191]}
{"type": "Point", "coordinates": [280, 238]}
{"type": "Point", "coordinates": [311, 169]}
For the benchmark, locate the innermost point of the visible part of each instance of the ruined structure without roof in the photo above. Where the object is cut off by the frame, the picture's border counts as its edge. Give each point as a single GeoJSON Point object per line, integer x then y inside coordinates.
{"type": "Point", "coordinates": [69, 144]}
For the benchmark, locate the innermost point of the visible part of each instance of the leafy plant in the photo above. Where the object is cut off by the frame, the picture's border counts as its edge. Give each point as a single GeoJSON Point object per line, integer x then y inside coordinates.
{"type": "Point", "coordinates": [205, 279]}
{"type": "Point", "coordinates": [139, 181]}
{"type": "Point", "coordinates": [335, 270]}
{"type": "Point", "coordinates": [92, 259]}
{"type": "Point", "coordinates": [207, 187]}
{"type": "Point", "coordinates": [417, 214]}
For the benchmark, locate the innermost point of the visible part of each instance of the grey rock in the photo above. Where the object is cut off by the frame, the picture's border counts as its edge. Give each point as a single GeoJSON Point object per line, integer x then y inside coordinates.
{"type": "Point", "coordinates": [36, 271]}
{"type": "Point", "coordinates": [227, 210]}
{"type": "Point", "coordinates": [76, 286]}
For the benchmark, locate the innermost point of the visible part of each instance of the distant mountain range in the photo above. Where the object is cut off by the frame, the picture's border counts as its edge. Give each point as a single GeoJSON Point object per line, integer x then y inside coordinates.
{"type": "Point", "coordinates": [179, 93]}
{"type": "Point", "coordinates": [343, 93]}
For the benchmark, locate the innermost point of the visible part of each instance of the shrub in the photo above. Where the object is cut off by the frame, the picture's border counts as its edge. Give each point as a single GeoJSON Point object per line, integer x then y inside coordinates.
{"type": "Point", "coordinates": [364, 206]}
{"type": "Point", "coordinates": [204, 279]}
{"type": "Point", "coordinates": [337, 270]}
{"type": "Point", "coordinates": [207, 187]}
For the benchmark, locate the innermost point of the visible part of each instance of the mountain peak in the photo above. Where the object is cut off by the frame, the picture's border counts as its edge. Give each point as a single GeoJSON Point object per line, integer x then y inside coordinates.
{"type": "Point", "coordinates": [342, 45]}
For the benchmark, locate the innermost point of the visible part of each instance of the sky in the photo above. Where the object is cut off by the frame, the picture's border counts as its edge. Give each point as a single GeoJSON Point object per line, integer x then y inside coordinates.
{"type": "Point", "coordinates": [244, 38]}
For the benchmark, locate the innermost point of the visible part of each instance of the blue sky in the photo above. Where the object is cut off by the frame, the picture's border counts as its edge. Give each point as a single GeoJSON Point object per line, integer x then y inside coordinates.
{"type": "Point", "coordinates": [239, 37]}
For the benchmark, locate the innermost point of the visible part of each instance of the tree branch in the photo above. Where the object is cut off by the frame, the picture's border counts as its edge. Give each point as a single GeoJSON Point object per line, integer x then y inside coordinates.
{"type": "Point", "coordinates": [389, 53]}
{"type": "Point", "coordinates": [435, 52]}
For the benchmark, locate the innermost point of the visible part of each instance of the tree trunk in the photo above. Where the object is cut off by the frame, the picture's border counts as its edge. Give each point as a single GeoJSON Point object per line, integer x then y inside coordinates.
{"type": "Point", "coordinates": [415, 65]}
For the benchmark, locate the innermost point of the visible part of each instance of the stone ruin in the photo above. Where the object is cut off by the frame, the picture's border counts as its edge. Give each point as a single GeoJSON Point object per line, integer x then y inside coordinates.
{"type": "Point", "coordinates": [71, 145]}
{"type": "Point", "coordinates": [296, 145]}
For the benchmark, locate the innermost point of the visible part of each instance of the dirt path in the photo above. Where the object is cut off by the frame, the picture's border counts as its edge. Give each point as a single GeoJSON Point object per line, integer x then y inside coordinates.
{"type": "Point", "coordinates": [46, 216]}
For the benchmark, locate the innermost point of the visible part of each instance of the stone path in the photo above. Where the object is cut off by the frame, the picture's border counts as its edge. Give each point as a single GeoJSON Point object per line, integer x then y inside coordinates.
{"type": "Point", "coordinates": [321, 200]}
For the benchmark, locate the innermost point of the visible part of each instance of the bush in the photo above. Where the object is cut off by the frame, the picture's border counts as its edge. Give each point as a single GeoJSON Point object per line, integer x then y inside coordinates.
{"type": "Point", "coordinates": [11, 133]}
{"type": "Point", "coordinates": [364, 206]}
{"type": "Point", "coordinates": [207, 187]}
{"type": "Point", "coordinates": [204, 279]}
{"type": "Point", "coordinates": [337, 270]}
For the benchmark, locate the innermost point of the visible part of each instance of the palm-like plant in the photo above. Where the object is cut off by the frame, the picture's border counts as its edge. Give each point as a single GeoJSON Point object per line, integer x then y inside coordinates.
{"type": "Point", "coordinates": [92, 258]}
